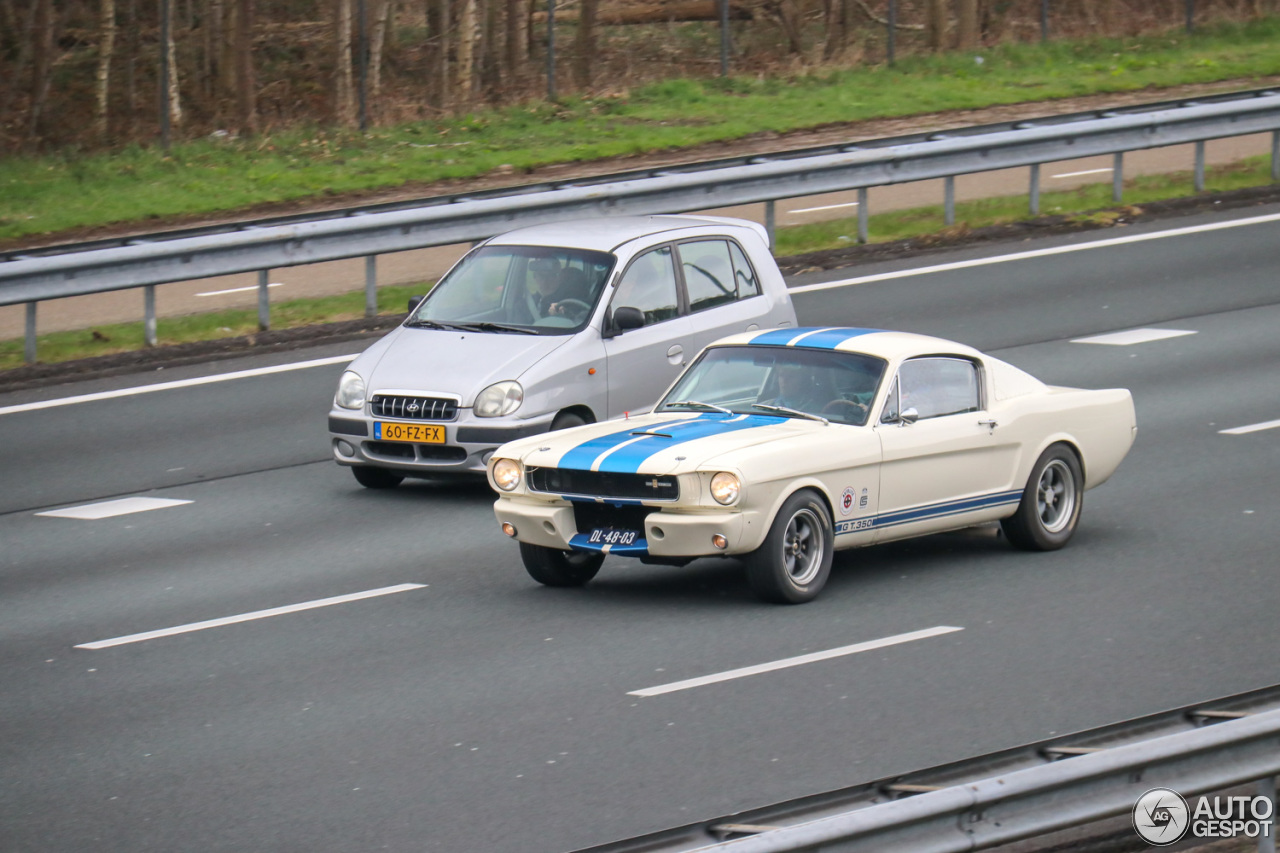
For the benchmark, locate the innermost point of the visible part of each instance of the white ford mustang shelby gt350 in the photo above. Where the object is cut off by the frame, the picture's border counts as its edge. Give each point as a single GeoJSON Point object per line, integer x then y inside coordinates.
{"type": "Point", "coordinates": [780, 446]}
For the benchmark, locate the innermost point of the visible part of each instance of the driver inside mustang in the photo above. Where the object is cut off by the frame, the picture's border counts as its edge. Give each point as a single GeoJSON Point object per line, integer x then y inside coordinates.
{"type": "Point", "coordinates": [797, 389]}
{"type": "Point", "coordinates": [551, 286]}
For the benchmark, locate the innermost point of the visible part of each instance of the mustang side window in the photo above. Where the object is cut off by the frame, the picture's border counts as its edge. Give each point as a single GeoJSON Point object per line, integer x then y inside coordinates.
{"type": "Point", "coordinates": [937, 386]}
{"type": "Point", "coordinates": [650, 285]}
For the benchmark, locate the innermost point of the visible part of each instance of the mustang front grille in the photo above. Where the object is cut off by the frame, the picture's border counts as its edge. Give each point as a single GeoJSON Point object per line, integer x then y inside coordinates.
{"type": "Point", "coordinates": [603, 484]}
{"type": "Point", "coordinates": [414, 408]}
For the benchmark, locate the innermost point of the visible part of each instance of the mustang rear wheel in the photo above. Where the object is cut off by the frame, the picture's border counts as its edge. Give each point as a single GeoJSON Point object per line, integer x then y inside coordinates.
{"type": "Point", "coordinates": [552, 567]}
{"type": "Point", "coordinates": [376, 478]}
{"type": "Point", "coordinates": [792, 565]}
{"type": "Point", "coordinates": [1050, 506]}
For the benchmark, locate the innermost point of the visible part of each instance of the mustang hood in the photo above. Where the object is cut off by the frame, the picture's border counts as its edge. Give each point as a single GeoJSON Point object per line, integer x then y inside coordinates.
{"type": "Point", "coordinates": [441, 362]}
{"type": "Point", "coordinates": [660, 443]}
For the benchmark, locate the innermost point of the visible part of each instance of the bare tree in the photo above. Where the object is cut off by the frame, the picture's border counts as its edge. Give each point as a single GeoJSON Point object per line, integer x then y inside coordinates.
{"type": "Point", "coordinates": [344, 107]}
{"type": "Point", "coordinates": [171, 83]}
{"type": "Point", "coordinates": [467, 26]}
{"type": "Point", "coordinates": [106, 49]}
{"type": "Point", "coordinates": [246, 80]}
{"type": "Point", "coordinates": [517, 51]}
{"type": "Point", "coordinates": [42, 62]}
{"type": "Point", "coordinates": [967, 24]}
{"type": "Point", "coordinates": [382, 12]}
{"type": "Point", "coordinates": [838, 17]}
{"type": "Point", "coordinates": [936, 24]}
{"type": "Point", "coordinates": [585, 43]}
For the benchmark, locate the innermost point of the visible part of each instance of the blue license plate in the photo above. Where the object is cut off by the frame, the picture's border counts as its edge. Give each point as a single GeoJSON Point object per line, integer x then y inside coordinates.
{"type": "Point", "coordinates": [612, 536]}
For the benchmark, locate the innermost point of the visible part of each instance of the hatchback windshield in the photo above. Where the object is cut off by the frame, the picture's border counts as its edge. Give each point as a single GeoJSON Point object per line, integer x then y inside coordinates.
{"type": "Point", "coordinates": [518, 289]}
{"type": "Point", "coordinates": [790, 381]}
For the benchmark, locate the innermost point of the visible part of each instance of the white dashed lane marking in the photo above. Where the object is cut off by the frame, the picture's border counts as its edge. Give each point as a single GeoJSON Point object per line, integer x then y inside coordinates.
{"type": "Point", "coordinates": [796, 661]}
{"type": "Point", "coordinates": [1243, 430]}
{"type": "Point", "coordinates": [1133, 336]}
{"type": "Point", "coordinates": [110, 509]}
{"type": "Point", "coordinates": [246, 617]}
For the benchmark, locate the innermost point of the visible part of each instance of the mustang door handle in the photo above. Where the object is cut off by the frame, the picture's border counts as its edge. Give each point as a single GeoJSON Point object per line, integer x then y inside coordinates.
{"type": "Point", "coordinates": [992, 424]}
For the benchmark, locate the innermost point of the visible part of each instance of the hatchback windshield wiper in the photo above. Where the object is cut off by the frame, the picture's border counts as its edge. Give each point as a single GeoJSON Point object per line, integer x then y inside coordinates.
{"type": "Point", "coordinates": [495, 327]}
{"type": "Point", "coordinates": [419, 323]}
{"type": "Point", "coordinates": [697, 404]}
{"type": "Point", "coordinates": [791, 413]}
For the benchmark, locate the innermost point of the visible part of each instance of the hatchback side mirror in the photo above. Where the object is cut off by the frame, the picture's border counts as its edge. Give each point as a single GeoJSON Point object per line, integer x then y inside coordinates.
{"type": "Point", "coordinates": [625, 318]}
{"type": "Point", "coordinates": [414, 302]}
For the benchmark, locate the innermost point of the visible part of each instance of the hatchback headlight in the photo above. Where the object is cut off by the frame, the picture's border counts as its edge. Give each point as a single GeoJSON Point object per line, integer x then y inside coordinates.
{"type": "Point", "coordinates": [506, 474]}
{"type": "Point", "coordinates": [501, 398]}
{"type": "Point", "coordinates": [725, 488]}
{"type": "Point", "coordinates": [351, 391]}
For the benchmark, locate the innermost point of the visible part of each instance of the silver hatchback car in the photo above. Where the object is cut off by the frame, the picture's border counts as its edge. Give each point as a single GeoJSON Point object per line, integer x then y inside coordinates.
{"type": "Point", "coordinates": [548, 327]}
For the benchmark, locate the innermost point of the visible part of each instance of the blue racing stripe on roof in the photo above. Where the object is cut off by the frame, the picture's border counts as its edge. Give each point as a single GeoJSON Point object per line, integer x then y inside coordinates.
{"type": "Point", "coordinates": [816, 337]}
{"type": "Point", "coordinates": [582, 456]}
{"type": "Point", "coordinates": [628, 459]}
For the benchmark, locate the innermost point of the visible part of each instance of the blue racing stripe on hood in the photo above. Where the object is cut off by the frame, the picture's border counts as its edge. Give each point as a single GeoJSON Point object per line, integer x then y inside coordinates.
{"type": "Point", "coordinates": [816, 337]}
{"type": "Point", "coordinates": [628, 459]}
{"type": "Point", "coordinates": [582, 456]}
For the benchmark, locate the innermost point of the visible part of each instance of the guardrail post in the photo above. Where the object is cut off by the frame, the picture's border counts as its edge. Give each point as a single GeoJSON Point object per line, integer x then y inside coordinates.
{"type": "Point", "coordinates": [949, 200]}
{"type": "Point", "coordinates": [1117, 177]}
{"type": "Point", "coordinates": [1267, 838]}
{"type": "Point", "coordinates": [149, 315]}
{"type": "Point", "coordinates": [1035, 189]}
{"type": "Point", "coordinates": [264, 301]}
{"type": "Point", "coordinates": [29, 345]}
{"type": "Point", "coordinates": [771, 222]}
{"type": "Point", "coordinates": [1275, 155]}
{"type": "Point", "coordinates": [371, 286]}
{"type": "Point", "coordinates": [1200, 166]}
{"type": "Point", "coordinates": [863, 214]}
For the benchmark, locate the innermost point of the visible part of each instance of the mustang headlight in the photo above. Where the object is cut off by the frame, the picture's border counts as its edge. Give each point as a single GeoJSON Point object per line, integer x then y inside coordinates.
{"type": "Point", "coordinates": [725, 487]}
{"type": "Point", "coordinates": [501, 398]}
{"type": "Point", "coordinates": [351, 391]}
{"type": "Point", "coordinates": [506, 474]}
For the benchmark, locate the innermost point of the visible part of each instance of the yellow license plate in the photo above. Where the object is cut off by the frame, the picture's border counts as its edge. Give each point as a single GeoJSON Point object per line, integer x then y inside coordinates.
{"type": "Point", "coordinates": [418, 433]}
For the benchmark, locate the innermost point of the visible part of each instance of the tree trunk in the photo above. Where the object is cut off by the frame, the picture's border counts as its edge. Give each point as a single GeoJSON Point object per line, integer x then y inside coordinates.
{"type": "Point", "coordinates": [246, 80]}
{"type": "Point", "coordinates": [102, 81]}
{"type": "Point", "coordinates": [837, 15]}
{"type": "Point", "coordinates": [344, 106]}
{"type": "Point", "coordinates": [466, 50]}
{"type": "Point", "coordinates": [585, 44]}
{"type": "Point", "coordinates": [382, 10]}
{"type": "Point", "coordinates": [516, 50]}
{"type": "Point", "coordinates": [967, 24]}
{"type": "Point", "coordinates": [42, 63]}
{"type": "Point", "coordinates": [936, 25]}
{"type": "Point", "coordinates": [438, 52]}
{"type": "Point", "coordinates": [488, 49]}
{"type": "Point", "coordinates": [175, 97]}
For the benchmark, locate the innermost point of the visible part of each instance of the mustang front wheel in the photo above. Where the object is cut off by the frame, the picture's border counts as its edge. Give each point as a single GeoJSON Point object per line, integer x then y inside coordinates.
{"type": "Point", "coordinates": [1050, 507]}
{"type": "Point", "coordinates": [792, 565]}
{"type": "Point", "coordinates": [552, 567]}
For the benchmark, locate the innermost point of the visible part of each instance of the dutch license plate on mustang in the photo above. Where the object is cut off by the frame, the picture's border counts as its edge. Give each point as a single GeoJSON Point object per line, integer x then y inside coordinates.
{"type": "Point", "coordinates": [418, 433]}
{"type": "Point", "coordinates": [613, 536]}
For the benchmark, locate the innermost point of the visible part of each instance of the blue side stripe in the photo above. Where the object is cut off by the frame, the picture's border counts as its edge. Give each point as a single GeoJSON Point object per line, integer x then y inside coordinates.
{"type": "Point", "coordinates": [629, 459]}
{"type": "Point", "coordinates": [939, 510]}
{"type": "Point", "coordinates": [816, 337]}
{"type": "Point", "coordinates": [584, 454]}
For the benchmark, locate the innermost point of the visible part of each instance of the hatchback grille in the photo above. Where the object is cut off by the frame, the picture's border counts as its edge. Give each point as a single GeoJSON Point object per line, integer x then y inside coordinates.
{"type": "Point", "coordinates": [414, 408]}
{"type": "Point", "coordinates": [604, 484]}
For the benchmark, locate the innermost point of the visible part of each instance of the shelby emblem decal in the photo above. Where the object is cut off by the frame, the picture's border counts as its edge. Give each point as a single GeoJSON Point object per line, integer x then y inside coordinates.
{"type": "Point", "coordinates": [847, 500]}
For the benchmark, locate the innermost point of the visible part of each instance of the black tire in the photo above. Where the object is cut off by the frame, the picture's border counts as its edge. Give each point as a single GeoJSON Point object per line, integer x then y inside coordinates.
{"type": "Point", "coordinates": [376, 478]}
{"type": "Point", "coordinates": [793, 563]}
{"type": "Point", "coordinates": [1051, 503]}
{"type": "Point", "coordinates": [564, 420]}
{"type": "Point", "coordinates": [552, 567]}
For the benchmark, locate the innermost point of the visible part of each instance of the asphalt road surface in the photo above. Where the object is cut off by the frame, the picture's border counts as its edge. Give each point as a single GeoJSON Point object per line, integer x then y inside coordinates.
{"type": "Point", "coordinates": [257, 654]}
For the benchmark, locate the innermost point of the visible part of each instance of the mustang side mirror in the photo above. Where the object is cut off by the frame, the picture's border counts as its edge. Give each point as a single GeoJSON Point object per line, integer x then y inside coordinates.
{"type": "Point", "coordinates": [908, 416]}
{"type": "Point", "coordinates": [414, 301]}
{"type": "Point", "coordinates": [625, 318]}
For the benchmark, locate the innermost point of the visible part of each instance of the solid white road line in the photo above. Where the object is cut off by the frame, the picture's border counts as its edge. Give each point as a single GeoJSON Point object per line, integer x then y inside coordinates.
{"type": "Point", "coordinates": [1242, 430]}
{"type": "Point", "coordinates": [825, 207]}
{"type": "Point", "coordinates": [1040, 253]}
{"type": "Point", "coordinates": [246, 617]}
{"type": "Point", "coordinates": [796, 661]}
{"type": "Point", "coordinates": [110, 509]}
{"type": "Point", "coordinates": [1082, 174]}
{"type": "Point", "coordinates": [1132, 336]}
{"type": "Point", "coordinates": [238, 289]}
{"type": "Point", "coordinates": [179, 383]}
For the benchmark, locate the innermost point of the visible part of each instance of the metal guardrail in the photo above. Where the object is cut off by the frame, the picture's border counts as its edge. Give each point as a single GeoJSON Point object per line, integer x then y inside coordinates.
{"type": "Point", "coordinates": [1014, 795]}
{"type": "Point", "coordinates": [146, 264]}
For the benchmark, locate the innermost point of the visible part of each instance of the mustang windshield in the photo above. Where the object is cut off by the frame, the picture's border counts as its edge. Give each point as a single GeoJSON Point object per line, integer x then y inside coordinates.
{"type": "Point", "coordinates": [517, 290]}
{"type": "Point", "coordinates": [838, 386]}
